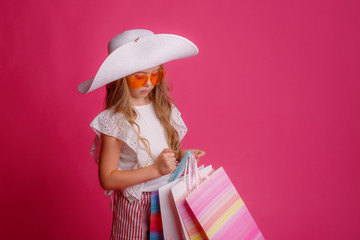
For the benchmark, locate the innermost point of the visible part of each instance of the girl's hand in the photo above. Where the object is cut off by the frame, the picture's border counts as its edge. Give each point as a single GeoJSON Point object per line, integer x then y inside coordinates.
{"type": "Point", "coordinates": [166, 162]}
{"type": "Point", "coordinates": [198, 153]}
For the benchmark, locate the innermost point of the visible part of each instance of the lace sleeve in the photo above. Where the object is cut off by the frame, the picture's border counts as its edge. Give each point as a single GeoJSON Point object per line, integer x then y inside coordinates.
{"type": "Point", "coordinates": [178, 122]}
{"type": "Point", "coordinates": [113, 125]}
{"type": "Point", "coordinates": [116, 126]}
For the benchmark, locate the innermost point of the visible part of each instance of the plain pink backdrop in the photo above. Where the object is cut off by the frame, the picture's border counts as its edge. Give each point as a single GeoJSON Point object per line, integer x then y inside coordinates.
{"type": "Point", "coordinates": [273, 97]}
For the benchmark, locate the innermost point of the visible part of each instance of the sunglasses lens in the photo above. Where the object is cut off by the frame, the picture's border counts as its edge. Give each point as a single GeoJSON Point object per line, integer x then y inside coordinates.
{"type": "Point", "coordinates": [138, 81]}
{"type": "Point", "coordinates": [156, 78]}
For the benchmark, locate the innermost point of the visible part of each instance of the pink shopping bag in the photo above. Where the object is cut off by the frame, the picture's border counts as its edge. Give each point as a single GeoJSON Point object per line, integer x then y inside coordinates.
{"type": "Point", "coordinates": [220, 210]}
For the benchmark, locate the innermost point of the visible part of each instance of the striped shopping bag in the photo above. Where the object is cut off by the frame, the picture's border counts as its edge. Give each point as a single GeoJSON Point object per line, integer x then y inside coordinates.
{"type": "Point", "coordinates": [156, 230]}
{"type": "Point", "coordinates": [220, 211]}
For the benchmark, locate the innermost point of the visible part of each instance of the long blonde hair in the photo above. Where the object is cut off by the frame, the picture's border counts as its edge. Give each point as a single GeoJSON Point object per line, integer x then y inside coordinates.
{"type": "Point", "coordinates": [118, 98]}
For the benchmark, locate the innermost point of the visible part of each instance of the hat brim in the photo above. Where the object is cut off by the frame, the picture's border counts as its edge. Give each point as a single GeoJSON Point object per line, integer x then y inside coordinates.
{"type": "Point", "coordinates": [146, 52]}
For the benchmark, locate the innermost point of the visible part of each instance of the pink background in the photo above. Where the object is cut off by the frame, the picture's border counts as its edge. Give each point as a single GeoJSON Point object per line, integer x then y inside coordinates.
{"type": "Point", "coordinates": [273, 97]}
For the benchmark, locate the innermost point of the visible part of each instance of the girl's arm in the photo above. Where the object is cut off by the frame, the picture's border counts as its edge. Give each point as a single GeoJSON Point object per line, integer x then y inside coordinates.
{"type": "Point", "coordinates": [111, 178]}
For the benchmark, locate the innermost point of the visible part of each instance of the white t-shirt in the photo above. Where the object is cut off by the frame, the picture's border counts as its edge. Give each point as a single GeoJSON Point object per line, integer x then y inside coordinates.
{"type": "Point", "coordinates": [152, 130]}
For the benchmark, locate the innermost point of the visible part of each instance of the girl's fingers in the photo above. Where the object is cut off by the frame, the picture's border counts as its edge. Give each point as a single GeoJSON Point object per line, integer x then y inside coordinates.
{"type": "Point", "coordinates": [166, 150]}
{"type": "Point", "coordinates": [169, 154]}
{"type": "Point", "coordinates": [201, 153]}
{"type": "Point", "coordinates": [171, 160]}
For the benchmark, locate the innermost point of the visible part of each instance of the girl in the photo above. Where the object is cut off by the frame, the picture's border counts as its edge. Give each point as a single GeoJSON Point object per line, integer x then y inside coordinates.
{"type": "Point", "coordinates": [140, 130]}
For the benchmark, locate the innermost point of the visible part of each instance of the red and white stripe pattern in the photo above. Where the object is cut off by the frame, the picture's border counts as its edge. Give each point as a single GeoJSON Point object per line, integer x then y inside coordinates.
{"type": "Point", "coordinates": [131, 220]}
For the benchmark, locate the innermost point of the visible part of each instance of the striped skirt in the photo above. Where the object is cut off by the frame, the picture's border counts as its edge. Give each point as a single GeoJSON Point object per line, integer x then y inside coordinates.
{"type": "Point", "coordinates": [131, 220]}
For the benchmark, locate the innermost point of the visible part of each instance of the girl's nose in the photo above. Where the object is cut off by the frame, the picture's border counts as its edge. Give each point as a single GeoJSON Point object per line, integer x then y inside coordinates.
{"type": "Point", "coordinates": [148, 82]}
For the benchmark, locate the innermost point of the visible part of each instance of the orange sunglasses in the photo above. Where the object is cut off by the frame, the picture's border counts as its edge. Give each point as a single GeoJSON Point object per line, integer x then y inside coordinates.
{"type": "Point", "coordinates": [140, 80]}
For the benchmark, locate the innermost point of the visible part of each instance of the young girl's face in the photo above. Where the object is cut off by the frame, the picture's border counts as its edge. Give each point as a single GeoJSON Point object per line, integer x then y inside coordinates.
{"type": "Point", "coordinates": [139, 95]}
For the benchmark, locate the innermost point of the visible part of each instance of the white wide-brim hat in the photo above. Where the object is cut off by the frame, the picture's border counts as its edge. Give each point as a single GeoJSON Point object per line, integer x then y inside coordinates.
{"type": "Point", "coordinates": [136, 50]}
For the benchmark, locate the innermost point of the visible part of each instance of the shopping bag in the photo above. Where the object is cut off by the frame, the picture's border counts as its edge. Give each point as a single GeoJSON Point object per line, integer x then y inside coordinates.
{"type": "Point", "coordinates": [172, 228]}
{"type": "Point", "coordinates": [156, 229]}
{"type": "Point", "coordinates": [172, 225]}
{"type": "Point", "coordinates": [163, 215]}
{"type": "Point", "coordinates": [220, 211]}
{"type": "Point", "coordinates": [180, 191]}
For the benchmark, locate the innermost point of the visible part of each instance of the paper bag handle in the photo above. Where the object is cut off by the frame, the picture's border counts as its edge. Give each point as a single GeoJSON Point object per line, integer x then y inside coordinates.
{"type": "Point", "coordinates": [181, 167]}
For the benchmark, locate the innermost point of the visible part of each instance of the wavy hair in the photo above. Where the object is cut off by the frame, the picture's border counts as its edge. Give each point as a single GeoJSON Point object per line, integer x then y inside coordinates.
{"type": "Point", "coordinates": [118, 98]}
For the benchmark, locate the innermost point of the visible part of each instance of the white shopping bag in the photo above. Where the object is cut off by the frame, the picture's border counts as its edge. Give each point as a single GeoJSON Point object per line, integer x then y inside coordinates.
{"type": "Point", "coordinates": [172, 228]}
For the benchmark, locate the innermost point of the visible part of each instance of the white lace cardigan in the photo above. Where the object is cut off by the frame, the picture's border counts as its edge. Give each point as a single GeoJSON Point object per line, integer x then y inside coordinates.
{"type": "Point", "coordinates": [117, 126]}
